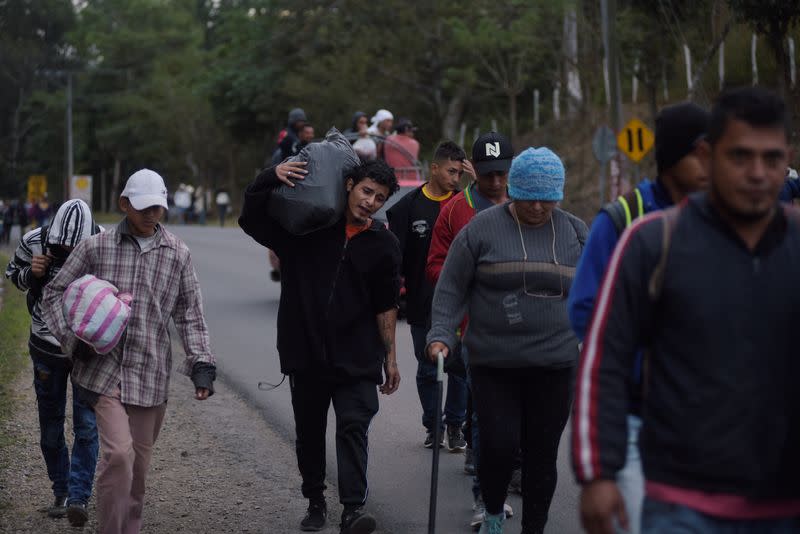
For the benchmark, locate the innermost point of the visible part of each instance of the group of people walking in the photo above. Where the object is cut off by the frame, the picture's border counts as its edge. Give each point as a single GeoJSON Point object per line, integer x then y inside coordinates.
{"type": "Point", "coordinates": [665, 330]}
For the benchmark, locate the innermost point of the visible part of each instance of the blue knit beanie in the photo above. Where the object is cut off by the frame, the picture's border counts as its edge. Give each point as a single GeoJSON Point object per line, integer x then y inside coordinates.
{"type": "Point", "coordinates": [536, 174]}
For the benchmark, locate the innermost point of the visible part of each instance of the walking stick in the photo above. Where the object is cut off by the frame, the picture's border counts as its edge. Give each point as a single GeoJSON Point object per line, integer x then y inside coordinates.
{"type": "Point", "coordinates": [437, 441]}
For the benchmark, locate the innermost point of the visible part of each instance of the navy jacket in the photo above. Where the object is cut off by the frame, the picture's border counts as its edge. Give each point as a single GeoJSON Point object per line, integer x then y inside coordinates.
{"type": "Point", "coordinates": [721, 405]}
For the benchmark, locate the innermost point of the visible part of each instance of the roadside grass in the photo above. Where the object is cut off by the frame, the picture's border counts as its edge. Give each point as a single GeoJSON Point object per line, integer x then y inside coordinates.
{"type": "Point", "coordinates": [14, 327]}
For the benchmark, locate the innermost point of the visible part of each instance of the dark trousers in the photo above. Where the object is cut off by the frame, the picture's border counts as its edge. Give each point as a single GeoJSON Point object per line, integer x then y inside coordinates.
{"type": "Point", "coordinates": [530, 407]}
{"type": "Point", "coordinates": [71, 477]}
{"type": "Point", "coordinates": [455, 403]}
{"type": "Point", "coordinates": [355, 404]}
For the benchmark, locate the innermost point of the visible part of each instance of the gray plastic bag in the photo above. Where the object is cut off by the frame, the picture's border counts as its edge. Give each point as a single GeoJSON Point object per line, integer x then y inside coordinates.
{"type": "Point", "coordinates": [317, 201]}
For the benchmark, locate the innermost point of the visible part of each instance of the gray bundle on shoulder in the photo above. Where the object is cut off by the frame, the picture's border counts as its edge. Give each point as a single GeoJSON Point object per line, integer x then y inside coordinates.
{"type": "Point", "coordinates": [317, 201]}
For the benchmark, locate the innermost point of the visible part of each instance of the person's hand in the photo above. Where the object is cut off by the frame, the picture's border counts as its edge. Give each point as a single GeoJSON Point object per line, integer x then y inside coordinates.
{"type": "Point", "coordinates": [435, 348]}
{"type": "Point", "coordinates": [291, 170]}
{"type": "Point", "coordinates": [39, 264]}
{"type": "Point", "coordinates": [468, 168]}
{"type": "Point", "coordinates": [201, 393]}
{"type": "Point", "coordinates": [392, 377]}
{"type": "Point", "coordinates": [601, 503]}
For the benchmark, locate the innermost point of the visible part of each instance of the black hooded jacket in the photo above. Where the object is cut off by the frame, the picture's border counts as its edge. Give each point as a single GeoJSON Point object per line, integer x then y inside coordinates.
{"type": "Point", "coordinates": [332, 290]}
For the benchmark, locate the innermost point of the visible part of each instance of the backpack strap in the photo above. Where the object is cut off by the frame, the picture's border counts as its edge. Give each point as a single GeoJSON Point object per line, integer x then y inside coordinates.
{"type": "Point", "coordinates": [626, 209]}
{"type": "Point", "coordinates": [669, 218]}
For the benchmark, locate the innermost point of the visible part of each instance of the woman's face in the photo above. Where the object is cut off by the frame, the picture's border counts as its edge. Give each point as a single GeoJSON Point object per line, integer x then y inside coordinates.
{"type": "Point", "coordinates": [361, 123]}
{"type": "Point", "coordinates": [534, 212]}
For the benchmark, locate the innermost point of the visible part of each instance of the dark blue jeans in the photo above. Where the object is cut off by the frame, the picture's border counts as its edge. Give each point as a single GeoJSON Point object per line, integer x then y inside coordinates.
{"type": "Point", "coordinates": [73, 480]}
{"type": "Point", "coordinates": [455, 406]}
{"type": "Point", "coordinates": [660, 517]}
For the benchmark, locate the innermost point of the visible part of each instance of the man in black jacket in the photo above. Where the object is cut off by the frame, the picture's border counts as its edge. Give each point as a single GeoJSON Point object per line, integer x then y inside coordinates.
{"type": "Point", "coordinates": [709, 288]}
{"type": "Point", "coordinates": [411, 219]}
{"type": "Point", "coordinates": [336, 329]}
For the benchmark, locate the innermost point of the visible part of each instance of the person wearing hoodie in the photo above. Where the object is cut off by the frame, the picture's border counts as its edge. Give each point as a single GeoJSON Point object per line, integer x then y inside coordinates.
{"type": "Point", "coordinates": [291, 144]}
{"type": "Point", "coordinates": [38, 258]}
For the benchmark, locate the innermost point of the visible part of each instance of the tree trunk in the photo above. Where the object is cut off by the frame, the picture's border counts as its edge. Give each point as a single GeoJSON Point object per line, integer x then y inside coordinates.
{"type": "Point", "coordinates": [16, 136]}
{"type": "Point", "coordinates": [112, 195]}
{"type": "Point", "coordinates": [454, 113]}
{"type": "Point", "coordinates": [512, 114]}
{"type": "Point", "coordinates": [776, 41]}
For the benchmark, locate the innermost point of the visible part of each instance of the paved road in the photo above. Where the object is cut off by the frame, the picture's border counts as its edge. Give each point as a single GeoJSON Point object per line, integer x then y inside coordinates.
{"type": "Point", "coordinates": [241, 305]}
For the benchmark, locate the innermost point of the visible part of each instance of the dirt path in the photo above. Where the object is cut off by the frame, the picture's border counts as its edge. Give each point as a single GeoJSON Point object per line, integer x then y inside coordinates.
{"type": "Point", "coordinates": [217, 468]}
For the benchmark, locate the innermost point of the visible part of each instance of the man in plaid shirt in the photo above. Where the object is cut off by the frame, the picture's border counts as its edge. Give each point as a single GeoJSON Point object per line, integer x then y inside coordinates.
{"type": "Point", "coordinates": [128, 387]}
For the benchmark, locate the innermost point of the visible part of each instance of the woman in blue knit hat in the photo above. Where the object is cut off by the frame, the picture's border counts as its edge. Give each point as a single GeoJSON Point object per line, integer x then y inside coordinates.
{"type": "Point", "coordinates": [510, 269]}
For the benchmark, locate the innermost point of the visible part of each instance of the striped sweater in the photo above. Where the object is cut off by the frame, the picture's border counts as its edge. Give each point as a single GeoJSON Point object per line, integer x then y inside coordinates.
{"type": "Point", "coordinates": [517, 308]}
{"type": "Point", "coordinates": [72, 223]}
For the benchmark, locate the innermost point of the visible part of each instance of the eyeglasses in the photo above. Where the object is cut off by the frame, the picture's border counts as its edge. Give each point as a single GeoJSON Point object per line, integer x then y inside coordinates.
{"type": "Point", "coordinates": [557, 266]}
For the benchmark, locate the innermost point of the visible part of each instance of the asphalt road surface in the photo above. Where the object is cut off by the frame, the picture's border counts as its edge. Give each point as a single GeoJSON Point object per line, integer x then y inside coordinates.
{"type": "Point", "coordinates": [241, 306]}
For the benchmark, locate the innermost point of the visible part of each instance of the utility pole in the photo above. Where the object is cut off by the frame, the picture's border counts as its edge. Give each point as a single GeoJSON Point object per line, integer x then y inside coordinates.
{"type": "Point", "coordinates": [608, 13]}
{"type": "Point", "coordinates": [70, 161]}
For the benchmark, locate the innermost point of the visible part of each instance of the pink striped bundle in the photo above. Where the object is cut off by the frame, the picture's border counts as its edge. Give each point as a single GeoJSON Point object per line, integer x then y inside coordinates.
{"type": "Point", "coordinates": [96, 312]}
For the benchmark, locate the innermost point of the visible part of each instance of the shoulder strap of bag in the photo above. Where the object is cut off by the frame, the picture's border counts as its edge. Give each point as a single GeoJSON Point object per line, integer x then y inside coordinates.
{"type": "Point", "coordinates": [626, 209]}
{"type": "Point", "coordinates": [669, 219]}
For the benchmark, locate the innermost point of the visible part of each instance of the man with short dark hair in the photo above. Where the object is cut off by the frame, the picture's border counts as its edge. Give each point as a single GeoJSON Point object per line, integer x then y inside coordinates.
{"type": "Point", "coordinates": [412, 219]}
{"type": "Point", "coordinates": [336, 329]}
{"type": "Point", "coordinates": [721, 414]}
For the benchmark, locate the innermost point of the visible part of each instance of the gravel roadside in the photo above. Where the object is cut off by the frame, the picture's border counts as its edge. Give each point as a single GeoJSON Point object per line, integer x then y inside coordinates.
{"type": "Point", "coordinates": [217, 468]}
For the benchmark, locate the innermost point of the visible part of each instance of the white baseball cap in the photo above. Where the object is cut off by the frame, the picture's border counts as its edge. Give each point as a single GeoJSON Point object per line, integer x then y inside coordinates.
{"type": "Point", "coordinates": [145, 188]}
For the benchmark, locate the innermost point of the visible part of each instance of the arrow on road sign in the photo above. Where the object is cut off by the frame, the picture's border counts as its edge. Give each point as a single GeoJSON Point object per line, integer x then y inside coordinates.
{"type": "Point", "coordinates": [635, 140]}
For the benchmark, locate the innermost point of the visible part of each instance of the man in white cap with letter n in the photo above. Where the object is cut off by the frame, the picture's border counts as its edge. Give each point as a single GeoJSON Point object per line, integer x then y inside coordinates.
{"type": "Point", "coordinates": [128, 386]}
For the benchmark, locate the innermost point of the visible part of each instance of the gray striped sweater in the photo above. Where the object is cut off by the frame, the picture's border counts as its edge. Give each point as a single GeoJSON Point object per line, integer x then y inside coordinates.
{"type": "Point", "coordinates": [486, 278]}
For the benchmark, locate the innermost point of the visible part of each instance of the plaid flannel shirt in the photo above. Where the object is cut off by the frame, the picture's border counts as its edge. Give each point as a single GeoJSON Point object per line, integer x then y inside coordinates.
{"type": "Point", "coordinates": [164, 285]}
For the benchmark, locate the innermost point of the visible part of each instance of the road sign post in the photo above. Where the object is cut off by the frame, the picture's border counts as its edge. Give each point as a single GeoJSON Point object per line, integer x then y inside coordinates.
{"type": "Point", "coordinates": [604, 146]}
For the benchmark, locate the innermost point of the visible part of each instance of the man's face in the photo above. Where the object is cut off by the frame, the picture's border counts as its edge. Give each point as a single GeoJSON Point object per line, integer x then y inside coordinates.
{"type": "Point", "coordinates": [493, 185]}
{"type": "Point", "coordinates": [534, 212]}
{"type": "Point", "coordinates": [691, 173]}
{"type": "Point", "coordinates": [447, 173]}
{"type": "Point", "coordinates": [365, 198]}
{"type": "Point", "coordinates": [386, 125]}
{"type": "Point", "coordinates": [142, 223]}
{"type": "Point", "coordinates": [307, 134]}
{"type": "Point", "coordinates": [748, 166]}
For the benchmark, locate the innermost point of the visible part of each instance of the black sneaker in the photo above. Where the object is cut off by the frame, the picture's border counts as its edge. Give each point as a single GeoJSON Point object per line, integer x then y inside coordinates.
{"type": "Point", "coordinates": [515, 486]}
{"type": "Point", "coordinates": [77, 514]}
{"type": "Point", "coordinates": [469, 462]}
{"type": "Point", "coordinates": [357, 521]}
{"type": "Point", "coordinates": [316, 516]}
{"type": "Point", "coordinates": [59, 508]}
{"type": "Point", "coordinates": [428, 443]}
{"type": "Point", "coordinates": [455, 439]}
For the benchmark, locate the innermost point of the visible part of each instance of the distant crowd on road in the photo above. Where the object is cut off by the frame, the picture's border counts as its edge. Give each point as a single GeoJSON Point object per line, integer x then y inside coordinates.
{"type": "Point", "coordinates": [380, 137]}
{"type": "Point", "coordinates": [664, 330]}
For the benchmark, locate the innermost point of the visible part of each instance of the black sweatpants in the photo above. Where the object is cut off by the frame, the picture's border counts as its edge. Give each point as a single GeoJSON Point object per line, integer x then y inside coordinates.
{"type": "Point", "coordinates": [527, 406]}
{"type": "Point", "coordinates": [355, 404]}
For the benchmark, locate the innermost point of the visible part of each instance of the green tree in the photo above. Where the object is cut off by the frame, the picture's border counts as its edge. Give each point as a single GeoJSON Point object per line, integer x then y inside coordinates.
{"type": "Point", "coordinates": [773, 19]}
{"type": "Point", "coordinates": [32, 40]}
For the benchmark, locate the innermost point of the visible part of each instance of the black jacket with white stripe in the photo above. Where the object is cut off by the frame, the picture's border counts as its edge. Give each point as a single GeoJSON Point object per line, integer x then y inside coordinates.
{"type": "Point", "coordinates": [721, 402]}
